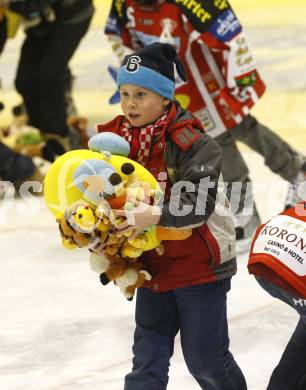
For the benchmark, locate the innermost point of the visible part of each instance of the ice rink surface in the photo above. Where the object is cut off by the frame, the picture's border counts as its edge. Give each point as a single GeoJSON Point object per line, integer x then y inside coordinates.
{"type": "Point", "coordinates": [59, 328]}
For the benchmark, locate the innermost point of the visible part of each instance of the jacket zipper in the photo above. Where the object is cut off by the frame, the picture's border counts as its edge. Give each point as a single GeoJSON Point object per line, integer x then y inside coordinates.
{"type": "Point", "coordinates": [212, 262]}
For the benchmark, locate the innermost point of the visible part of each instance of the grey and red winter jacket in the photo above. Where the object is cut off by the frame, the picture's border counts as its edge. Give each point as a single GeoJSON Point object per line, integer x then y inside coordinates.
{"type": "Point", "coordinates": [189, 157]}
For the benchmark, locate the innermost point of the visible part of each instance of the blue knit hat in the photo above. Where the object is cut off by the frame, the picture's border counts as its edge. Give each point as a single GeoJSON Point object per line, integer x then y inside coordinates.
{"type": "Point", "coordinates": [153, 68]}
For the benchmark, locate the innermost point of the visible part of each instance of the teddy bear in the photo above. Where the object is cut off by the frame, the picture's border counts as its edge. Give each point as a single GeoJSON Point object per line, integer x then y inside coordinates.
{"type": "Point", "coordinates": [127, 275]}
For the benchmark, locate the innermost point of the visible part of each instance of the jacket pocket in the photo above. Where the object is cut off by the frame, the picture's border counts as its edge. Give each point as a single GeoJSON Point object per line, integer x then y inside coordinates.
{"type": "Point", "coordinates": [194, 246]}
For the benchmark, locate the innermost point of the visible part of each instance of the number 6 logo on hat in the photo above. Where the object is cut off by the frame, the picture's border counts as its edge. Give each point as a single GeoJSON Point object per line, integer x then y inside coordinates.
{"type": "Point", "coordinates": [133, 64]}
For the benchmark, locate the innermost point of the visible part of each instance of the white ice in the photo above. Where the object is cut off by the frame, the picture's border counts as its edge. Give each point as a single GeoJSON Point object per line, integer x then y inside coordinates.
{"type": "Point", "coordinates": [60, 329]}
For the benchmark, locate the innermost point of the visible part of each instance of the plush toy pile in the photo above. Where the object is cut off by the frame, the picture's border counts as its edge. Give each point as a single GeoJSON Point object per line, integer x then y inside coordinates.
{"type": "Point", "coordinates": [25, 140]}
{"type": "Point", "coordinates": [83, 187]}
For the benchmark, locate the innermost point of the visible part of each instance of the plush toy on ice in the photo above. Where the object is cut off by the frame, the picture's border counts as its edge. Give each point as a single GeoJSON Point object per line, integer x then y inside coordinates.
{"type": "Point", "coordinates": [82, 188]}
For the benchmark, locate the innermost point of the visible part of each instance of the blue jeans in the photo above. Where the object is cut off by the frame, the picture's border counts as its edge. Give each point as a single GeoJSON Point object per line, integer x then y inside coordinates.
{"type": "Point", "coordinates": [290, 373]}
{"type": "Point", "coordinates": [199, 313]}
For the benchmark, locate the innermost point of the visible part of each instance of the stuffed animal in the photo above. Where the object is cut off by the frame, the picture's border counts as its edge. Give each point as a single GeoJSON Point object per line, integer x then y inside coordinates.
{"type": "Point", "coordinates": [128, 276]}
{"type": "Point", "coordinates": [72, 238]}
{"type": "Point", "coordinates": [109, 267]}
{"type": "Point", "coordinates": [134, 276]}
{"type": "Point", "coordinates": [115, 258]}
{"type": "Point", "coordinates": [25, 140]}
{"type": "Point", "coordinates": [80, 227]}
{"type": "Point", "coordinates": [63, 187]}
{"type": "Point", "coordinates": [87, 226]}
{"type": "Point", "coordinates": [81, 189]}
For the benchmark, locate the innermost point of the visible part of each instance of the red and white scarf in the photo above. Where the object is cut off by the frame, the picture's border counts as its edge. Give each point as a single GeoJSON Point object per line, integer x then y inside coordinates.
{"type": "Point", "coordinates": [146, 134]}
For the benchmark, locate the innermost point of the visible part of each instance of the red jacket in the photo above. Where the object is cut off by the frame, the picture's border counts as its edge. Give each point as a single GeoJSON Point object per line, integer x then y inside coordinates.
{"type": "Point", "coordinates": [209, 254]}
{"type": "Point", "coordinates": [278, 251]}
{"type": "Point", "coordinates": [223, 82]}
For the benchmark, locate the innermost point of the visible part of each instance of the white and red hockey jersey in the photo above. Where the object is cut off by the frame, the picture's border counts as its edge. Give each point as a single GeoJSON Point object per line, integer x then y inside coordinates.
{"type": "Point", "coordinates": [223, 83]}
{"type": "Point", "coordinates": [278, 251]}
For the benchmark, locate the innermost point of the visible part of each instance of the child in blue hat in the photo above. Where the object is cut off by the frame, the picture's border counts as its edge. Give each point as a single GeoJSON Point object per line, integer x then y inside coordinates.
{"type": "Point", "coordinates": [192, 277]}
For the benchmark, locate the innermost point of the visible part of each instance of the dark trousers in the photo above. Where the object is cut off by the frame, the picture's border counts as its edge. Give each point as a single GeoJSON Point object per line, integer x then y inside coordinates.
{"type": "Point", "coordinates": [278, 155]}
{"type": "Point", "coordinates": [200, 313]}
{"type": "Point", "coordinates": [14, 166]}
{"type": "Point", "coordinates": [42, 73]}
{"type": "Point", "coordinates": [3, 33]}
{"type": "Point", "coordinates": [290, 373]}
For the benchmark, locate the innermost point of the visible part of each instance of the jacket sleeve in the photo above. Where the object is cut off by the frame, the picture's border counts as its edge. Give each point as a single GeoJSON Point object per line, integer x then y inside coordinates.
{"type": "Point", "coordinates": [193, 193]}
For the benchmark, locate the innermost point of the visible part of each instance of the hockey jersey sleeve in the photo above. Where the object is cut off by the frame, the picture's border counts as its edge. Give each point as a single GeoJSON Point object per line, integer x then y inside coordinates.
{"type": "Point", "coordinates": [116, 28]}
{"type": "Point", "coordinates": [116, 19]}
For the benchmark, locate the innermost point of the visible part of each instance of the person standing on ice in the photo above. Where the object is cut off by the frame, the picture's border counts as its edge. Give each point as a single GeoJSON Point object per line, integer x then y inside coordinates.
{"type": "Point", "coordinates": [191, 279]}
{"type": "Point", "coordinates": [278, 261]}
{"type": "Point", "coordinates": [223, 86]}
{"type": "Point", "coordinates": [53, 32]}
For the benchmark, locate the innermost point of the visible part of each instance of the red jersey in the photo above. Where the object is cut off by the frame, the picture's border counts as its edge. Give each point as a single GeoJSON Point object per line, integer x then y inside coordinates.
{"type": "Point", "coordinates": [223, 83]}
{"type": "Point", "coordinates": [278, 252]}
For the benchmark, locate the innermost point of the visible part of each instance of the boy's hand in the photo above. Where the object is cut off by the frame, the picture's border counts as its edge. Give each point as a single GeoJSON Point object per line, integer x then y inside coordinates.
{"type": "Point", "coordinates": [137, 219]}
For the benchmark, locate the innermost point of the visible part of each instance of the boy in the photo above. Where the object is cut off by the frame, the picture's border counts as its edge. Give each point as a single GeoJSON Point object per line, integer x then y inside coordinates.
{"type": "Point", "coordinates": [223, 85]}
{"type": "Point", "coordinates": [278, 261]}
{"type": "Point", "coordinates": [191, 278]}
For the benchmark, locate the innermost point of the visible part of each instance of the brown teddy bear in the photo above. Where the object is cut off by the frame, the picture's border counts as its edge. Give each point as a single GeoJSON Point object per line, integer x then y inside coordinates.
{"type": "Point", "coordinates": [127, 275]}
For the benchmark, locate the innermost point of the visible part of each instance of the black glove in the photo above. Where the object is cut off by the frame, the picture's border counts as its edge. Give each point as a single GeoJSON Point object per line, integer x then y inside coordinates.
{"type": "Point", "coordinates": [55, 145]}
{"type": "Point", "coordinates": [31, 9]}
{"type": "Point", "coordinates": [37, 14]}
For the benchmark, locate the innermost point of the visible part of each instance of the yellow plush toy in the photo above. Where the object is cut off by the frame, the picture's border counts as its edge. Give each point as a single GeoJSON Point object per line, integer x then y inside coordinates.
{"type": "Point", "coordinates": [83, 186]}
{"type": "Point", "coordinates": [84, 174]}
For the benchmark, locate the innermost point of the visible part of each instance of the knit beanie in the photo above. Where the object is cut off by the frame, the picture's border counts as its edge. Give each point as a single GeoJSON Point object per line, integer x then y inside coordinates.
{"type": "Point", "coordinates": [153, 68]}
